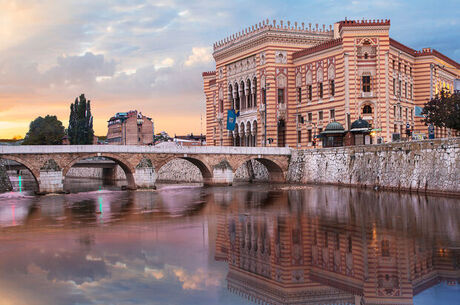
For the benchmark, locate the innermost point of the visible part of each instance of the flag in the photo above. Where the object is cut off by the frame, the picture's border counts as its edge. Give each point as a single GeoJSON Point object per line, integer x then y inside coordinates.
{"type": "Point", "coordinates": [231, 119]}
{"type": "Point", "coordinates": [418, 112]}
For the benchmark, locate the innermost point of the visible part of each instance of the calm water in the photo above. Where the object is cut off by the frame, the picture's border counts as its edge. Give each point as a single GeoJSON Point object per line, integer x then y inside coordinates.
{"type": "Point", "coordinates": [229, 245]}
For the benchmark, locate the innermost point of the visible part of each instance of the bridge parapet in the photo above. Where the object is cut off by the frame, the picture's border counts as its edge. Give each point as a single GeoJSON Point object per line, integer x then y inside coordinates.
{"type": "Point", "coordinates": [220, 150]}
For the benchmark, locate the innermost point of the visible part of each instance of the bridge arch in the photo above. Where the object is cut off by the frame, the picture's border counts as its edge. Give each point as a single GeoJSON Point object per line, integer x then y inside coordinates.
{"type": "Point", "coordinates": [275, 170]}
{"type": "Point", "coordinates": [34, 171]}
{"type": "Point", "coordinates": [202, 166]}
{"type": "Point", "coordinates": [127, 167]}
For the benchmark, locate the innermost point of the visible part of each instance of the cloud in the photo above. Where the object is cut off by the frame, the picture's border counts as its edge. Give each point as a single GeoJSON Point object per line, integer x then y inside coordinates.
{"type": "Point", "coordinates": [80, 69]}
{"type": "Point", "coordinates": [157, 274]}
{"type": "Point", "coordinates": [200, 280]}
{"type": "Point", "coordinates": [199, 55]}
{"type": "Point", "coordinates": [149, 55]}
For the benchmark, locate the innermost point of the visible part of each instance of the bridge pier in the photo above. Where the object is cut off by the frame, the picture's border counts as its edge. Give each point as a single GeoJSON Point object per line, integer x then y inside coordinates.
{"type": "Point", "coordinates": [145, 177]}
{"type": "Point", "coordinates": [50, 182]}
{"type": "Point", "coordinates": [220, 176]}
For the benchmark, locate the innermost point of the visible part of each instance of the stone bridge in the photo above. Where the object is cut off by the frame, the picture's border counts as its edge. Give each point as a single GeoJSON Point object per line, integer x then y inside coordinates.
{"type": "Point", "coordinates": [49, 164]}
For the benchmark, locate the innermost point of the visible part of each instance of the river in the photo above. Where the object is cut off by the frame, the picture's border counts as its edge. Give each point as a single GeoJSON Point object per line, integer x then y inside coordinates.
{"type": "Point", "coordinates": [246, 244]}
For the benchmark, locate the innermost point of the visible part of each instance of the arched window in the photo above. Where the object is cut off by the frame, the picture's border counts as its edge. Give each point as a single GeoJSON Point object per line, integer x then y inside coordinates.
{"type": "Point", "coordinates": [230, 96]}
{"type": "Point", "coordinates": [236, 96]}
{"type": "Point", "coordinates": [254, 92]}
{"type": "Point", "coordinates": [367, 109]}
{"type": "Point", "coordinates": [248, 93]}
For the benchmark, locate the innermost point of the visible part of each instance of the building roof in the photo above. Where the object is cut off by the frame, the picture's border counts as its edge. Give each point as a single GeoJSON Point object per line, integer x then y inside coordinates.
{"type": "Point", "coordinates": [274, 26]}
{"type": "Point", "coordinates": [334, 128]}
{"type": "Point", "coordinates": [317, 48]}
{"type": "Point", "coordinates": [423, 52]}
{"type": "Point", "coordinates": [124, 115]}
{"type": "Point", "coordinates": [360, 125]}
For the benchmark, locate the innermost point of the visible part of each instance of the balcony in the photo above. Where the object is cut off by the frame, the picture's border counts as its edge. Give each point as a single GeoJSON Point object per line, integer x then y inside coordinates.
{"type": "Point", "coordinates": [262, 107]}
{"type": "Point", "coordinates": [367, 94]}
{"type": "Point", "coordinates": [220, 116]}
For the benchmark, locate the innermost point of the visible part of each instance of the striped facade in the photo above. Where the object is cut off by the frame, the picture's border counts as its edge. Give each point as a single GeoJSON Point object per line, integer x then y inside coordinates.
{"type": "Point", "coordinates": [289, 81]}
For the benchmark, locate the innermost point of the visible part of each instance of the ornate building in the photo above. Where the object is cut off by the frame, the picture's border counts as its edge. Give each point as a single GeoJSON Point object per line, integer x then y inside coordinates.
{"type": "Point", "coordinates": [289, 81]}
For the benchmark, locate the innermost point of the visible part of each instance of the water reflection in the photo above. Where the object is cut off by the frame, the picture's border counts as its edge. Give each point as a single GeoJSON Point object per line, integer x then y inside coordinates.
{"type": "Point", "coordinates": [235, 245]}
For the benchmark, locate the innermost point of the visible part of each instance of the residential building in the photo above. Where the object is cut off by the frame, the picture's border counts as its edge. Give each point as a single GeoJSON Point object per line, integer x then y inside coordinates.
{"type": "Point", "coordinates": [130, 128]}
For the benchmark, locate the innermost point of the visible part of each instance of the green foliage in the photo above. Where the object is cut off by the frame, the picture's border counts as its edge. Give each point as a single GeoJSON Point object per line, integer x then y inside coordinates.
{"type": "Point", "coordinates": [443, 110]}
{"type": "Point", "coordinates": [45, 131]}
{"type": "Point", "coordinates": [80, 129]}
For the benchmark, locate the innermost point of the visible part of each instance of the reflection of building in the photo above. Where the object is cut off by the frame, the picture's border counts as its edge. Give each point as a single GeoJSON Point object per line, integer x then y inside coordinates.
{"type": "Point", "coordinates": [294, 257]}
{"type": "Point", "coordinates": [290, 80]}
{"type": "Point", "coordinates": [130, 128]}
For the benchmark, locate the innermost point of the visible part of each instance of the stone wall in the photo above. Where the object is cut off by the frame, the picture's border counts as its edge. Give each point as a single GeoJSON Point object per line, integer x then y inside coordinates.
{"type": "Point", "coordinates": [94, 173]}
{"type": "Point", "coordinates": [5, 184]}
{"type": "Point", "coordinates": [431, 166]}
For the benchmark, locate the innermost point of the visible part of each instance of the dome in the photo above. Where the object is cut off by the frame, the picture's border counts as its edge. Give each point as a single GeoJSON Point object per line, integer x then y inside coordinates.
{"type": "Point", "coordinates": [359, 125]}
{"type": "Point", "coordinates": [334, 127]}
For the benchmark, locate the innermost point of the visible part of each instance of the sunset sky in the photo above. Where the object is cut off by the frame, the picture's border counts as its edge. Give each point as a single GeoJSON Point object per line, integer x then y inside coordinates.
{"type": "Point", "coordinates": [149, 55]}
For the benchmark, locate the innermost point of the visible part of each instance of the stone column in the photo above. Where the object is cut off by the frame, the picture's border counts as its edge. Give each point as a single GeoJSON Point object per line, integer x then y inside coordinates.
{"type": "Point", "coordinates": [347, 89]}
{"type": "Point", "coordinates": [222, 174]}
{"type": "Point", "coordinates": [387, 99]}
{"type": "Point", "coordinates": [50, 182]}
{"type": "Point", "coordinates": [145, 175]}
{"type": "Point", "coordinates": [51, 178]}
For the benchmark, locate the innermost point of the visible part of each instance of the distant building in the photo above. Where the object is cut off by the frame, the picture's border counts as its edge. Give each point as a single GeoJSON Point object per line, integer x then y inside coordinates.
{"type": "Point", "coordinates": [190, 140]}
{"type": "Point", "coordinates": [130, 128]}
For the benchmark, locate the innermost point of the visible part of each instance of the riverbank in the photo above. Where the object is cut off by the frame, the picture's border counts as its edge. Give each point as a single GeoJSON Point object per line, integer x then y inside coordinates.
{"type": "Point", "coordinates": [430, 166]}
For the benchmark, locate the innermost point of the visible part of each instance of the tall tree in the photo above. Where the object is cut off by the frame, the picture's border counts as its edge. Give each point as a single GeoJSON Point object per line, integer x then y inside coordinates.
{"type": "Point", "coordinates": [443, 110]}
{"type": "Point", "coordinates": [80, 129]}
{"type": "Point", "coordinates": [45, 131]}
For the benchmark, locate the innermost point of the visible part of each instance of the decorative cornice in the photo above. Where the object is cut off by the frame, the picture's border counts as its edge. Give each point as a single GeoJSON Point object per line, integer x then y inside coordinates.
{"type": "Point", "coordinates": [266, 26]}
{"type": "Point", "coordinates": [317, 48]}
{"type": "Point", "coordinates": [428, 52]}
{"type": "Point", "coordinates": [209, 73]}
{"type": "Point", "coordinates": [260, 39]}
{"type": "Point", "coordinates": [354, 23]}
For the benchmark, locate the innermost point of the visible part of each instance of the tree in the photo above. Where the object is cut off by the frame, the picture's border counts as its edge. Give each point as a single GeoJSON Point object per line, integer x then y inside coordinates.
{"type": "Point", "coordinates": [443, 110]}
{"type": "Point", "coordinates": [45, 131]}
{"type": "Point", "coordinates": [80, 129]}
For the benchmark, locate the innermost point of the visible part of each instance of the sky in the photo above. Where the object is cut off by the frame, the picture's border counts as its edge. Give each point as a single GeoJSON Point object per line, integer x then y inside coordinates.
{"type": "Point", "coordinates": [149, 55]}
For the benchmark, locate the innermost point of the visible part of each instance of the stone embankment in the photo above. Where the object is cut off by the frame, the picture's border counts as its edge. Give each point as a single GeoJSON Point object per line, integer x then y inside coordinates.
{"type": "Point", "coordinates": [427, 166]}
